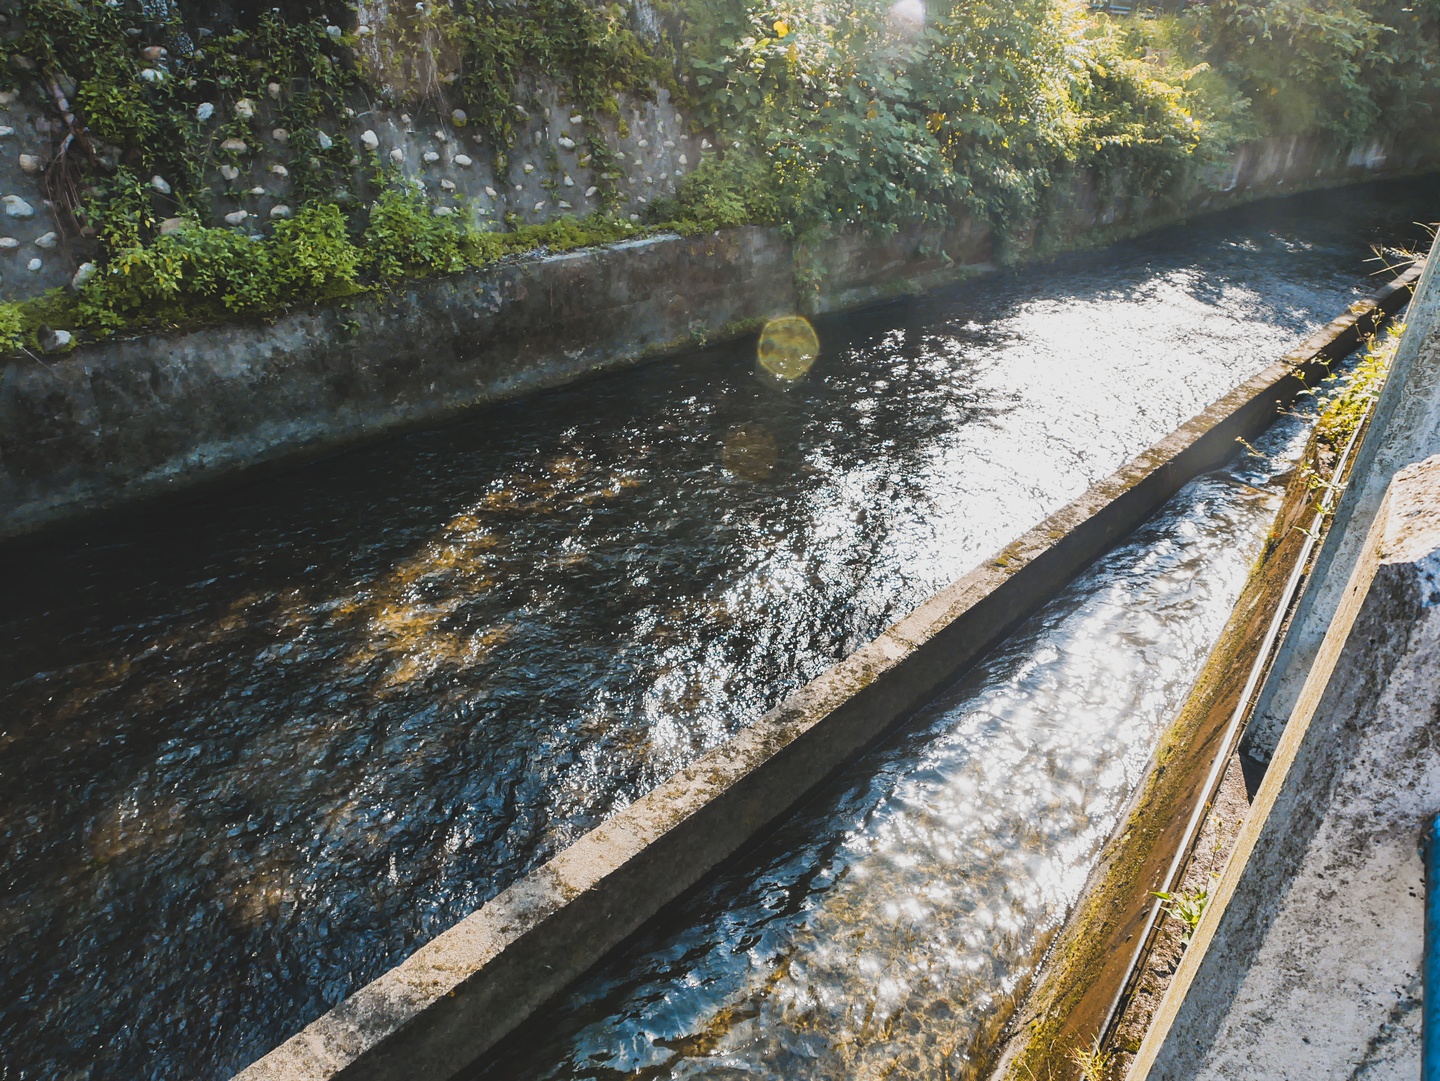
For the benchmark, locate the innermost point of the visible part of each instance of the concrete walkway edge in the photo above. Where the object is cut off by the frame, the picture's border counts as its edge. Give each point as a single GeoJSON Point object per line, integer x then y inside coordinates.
{"type": "Point", "coordinates": [1284, 975]}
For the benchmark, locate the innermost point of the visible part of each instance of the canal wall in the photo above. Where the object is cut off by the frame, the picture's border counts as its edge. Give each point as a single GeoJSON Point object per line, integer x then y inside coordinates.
{"type": "Point", "coordinates": [461, 993]}
{"type": "Point", "coordinates": [116, 422]}
{"type": "Point", "coordinates": [1307, 961]}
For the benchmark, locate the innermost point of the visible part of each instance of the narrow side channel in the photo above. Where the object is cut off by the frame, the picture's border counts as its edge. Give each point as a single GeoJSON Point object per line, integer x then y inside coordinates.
{"type": "Point", "coordinates": [1100, 981]}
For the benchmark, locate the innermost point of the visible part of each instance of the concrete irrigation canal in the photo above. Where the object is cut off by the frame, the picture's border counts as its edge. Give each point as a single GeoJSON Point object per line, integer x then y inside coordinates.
{"type": "Point", "coordinates": [264, 746]}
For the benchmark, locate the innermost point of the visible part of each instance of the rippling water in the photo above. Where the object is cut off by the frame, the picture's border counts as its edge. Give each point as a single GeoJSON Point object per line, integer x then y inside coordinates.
{"type": "Point", "coordinates": [884, 932]}
{"type": "Point", "coordinates": [255, 750]}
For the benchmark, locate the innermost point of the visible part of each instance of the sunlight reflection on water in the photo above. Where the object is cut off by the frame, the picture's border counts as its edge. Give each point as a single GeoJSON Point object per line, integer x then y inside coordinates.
{"type": "Point", "coordinates": [256, 749]}
{"type": "Point", "coordinates": [886, 933]}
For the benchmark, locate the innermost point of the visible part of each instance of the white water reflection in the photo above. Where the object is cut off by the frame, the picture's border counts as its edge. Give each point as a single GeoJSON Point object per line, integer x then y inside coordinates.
{"type": "Point", "coordinates": [889, 929]}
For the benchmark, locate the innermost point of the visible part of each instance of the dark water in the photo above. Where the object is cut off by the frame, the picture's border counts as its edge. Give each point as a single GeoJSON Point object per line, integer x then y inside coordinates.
{"type": "Point", "coordinates": [256, 750]}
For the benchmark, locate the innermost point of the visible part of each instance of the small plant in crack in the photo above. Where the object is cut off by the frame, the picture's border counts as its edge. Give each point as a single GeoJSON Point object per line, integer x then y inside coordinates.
{"type": "Point", "coordinates": [1093, 1062]}
{"type": "Point", "coordinates": [1187, 906]}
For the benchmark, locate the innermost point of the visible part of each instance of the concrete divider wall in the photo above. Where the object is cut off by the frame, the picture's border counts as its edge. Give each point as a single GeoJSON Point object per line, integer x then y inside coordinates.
{"type": "Point", "coordinates": [1356, 654]}
{"type": "Point", "coordinates": [458, 995]}
{"type": "Point", "coordinates": [120, 421]}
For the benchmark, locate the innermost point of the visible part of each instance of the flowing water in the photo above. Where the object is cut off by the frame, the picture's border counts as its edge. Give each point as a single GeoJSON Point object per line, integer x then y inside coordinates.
{"type": "Point", "coordinates": [886, 931]}
{"type": "Point", "coordinates": [257, 749]}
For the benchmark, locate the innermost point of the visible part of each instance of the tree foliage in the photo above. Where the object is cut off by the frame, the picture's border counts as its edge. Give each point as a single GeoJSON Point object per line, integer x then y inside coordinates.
{"type": "Point", "coordinates": [846, 112]}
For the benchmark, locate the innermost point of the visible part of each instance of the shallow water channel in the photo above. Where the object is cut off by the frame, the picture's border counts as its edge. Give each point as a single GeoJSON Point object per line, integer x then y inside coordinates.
{"type": "Point", "coordinates": [256, 749]}
{"type": "Point", "coordinates": [886, 930]}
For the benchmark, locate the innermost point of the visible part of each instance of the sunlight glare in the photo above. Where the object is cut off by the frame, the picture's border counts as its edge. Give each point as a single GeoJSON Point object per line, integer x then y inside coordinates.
{"type": "Point", "coordinates": [908, 15]}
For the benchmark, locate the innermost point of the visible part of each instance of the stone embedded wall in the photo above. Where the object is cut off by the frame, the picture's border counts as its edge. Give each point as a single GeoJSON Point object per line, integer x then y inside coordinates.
{"type": "Point", "coordinates": [33, 257]}
{"type": "Point", "coordinates": [413, 125]}
{"type": "Point", "coordinates": [549, 177]}
{"type": "Point", "coordinates": [550, 174]}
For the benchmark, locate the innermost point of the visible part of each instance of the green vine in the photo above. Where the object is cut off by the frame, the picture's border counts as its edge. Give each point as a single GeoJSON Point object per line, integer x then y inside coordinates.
{"type": "Point", "coordinates": [590, 48]}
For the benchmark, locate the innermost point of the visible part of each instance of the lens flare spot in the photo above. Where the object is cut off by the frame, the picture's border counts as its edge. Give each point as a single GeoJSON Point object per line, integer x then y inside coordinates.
{"type": "Point", "coordinates": [788, 346]}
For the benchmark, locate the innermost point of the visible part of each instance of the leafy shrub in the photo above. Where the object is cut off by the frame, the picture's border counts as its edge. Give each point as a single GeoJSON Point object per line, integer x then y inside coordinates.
{"type": "Point", "coordinates": [1302, 65]}
{"type": "Point", "coordinates": [191, 273]}
{"type": "Point", "coordinates": [1179, 47]}
{"type": "Point", "coordinates": [12, 327]}
{"type": "Point", "coordinates": [737, 189]}
{"type": "Point", "coordinates": [312, 255]}
{"type": "Point", "coordinates": [196, 273]}
{"type": "Point", "coordinates": [1403, 74]}
{"type": "Point", "coordinates": [404, 239]}
{"type": "Point", "coordinates": [854, 118]}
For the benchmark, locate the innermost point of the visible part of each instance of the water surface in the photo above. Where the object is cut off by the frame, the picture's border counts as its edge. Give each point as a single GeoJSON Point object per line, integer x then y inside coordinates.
{"type": "Point", "coordinates": [888, 930]}
{"type": "Point", "coordinates": [256, 749]}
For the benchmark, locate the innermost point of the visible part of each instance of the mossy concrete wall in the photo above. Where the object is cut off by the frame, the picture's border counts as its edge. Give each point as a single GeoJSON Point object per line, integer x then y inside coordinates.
{"type": "Point", "coordinates": [105, 425]}
{"type": "Point", "coordinates": [118, 421]}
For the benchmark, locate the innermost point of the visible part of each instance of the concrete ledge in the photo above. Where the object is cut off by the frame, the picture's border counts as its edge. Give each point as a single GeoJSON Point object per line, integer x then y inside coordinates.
{"type": "Point", "coordinates": [457, 996]}
{"type": "Point", "coordinates": [1405, 428]}
{"type": "Point", "coordinates": [113, 423]}
{"type": "Point", "coordinates": [1308, 962]}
